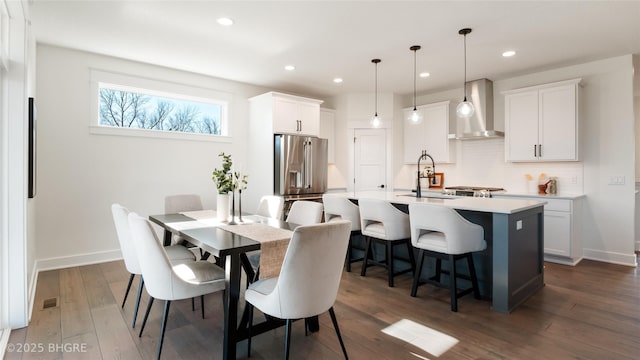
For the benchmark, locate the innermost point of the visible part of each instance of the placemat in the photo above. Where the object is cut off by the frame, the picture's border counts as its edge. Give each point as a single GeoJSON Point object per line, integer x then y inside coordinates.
{"type": "Point", "coordinates": [273, 244]}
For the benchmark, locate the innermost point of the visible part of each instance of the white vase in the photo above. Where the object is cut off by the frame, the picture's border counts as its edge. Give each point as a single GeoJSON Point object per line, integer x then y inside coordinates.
{"type": "Point", "coordinates": [223, 206]}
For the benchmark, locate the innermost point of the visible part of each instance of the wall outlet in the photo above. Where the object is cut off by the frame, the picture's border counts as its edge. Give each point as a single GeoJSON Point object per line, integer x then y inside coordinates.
{"type": "Point", "coordinates": [616, 180]}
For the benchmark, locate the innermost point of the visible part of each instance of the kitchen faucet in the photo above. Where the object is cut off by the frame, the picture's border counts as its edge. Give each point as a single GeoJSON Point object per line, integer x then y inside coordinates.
{"type": "Point", "coordinates": [424, 156]}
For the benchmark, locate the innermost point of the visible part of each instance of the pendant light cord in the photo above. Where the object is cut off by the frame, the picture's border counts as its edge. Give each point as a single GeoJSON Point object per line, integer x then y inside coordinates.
{"type": "Point", "coordinates": [376, 61]}
{"type": "Point", "coordinates": [464, 85]}
{"type": "Point", "coordinates": [414, 79]}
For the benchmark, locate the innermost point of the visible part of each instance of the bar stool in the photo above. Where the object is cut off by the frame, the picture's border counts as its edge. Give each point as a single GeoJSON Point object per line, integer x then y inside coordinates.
{"type": "Point", "coordinates": [442, 233]}
{"type": "Point", "coordinates": [382, 222]}
{"type": "Point", "coordinates": [341, 208]}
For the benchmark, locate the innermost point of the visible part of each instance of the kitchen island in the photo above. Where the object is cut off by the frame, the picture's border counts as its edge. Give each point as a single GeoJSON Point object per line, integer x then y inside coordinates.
{"type": "Point", "coordinates": [512, 266]}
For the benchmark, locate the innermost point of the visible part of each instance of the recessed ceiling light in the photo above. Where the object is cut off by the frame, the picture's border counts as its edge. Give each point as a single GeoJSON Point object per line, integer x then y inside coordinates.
{"type": "Point", "coordinates": [508, 53]}
{"type": "Point", "coordinates": [337, 80]}
{"type": "Point", "coordinates": [289, 67]}
{"type": "Point", "coordinates": [424, 74]}
{"type": "Point", "coordinates": [225, 21]}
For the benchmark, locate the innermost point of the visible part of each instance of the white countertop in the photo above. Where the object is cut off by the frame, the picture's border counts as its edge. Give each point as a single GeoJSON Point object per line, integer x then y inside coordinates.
{"type": "Point", "coordinates": [492, 205]}
{"type": "Point", "coordinates": [542, 196]}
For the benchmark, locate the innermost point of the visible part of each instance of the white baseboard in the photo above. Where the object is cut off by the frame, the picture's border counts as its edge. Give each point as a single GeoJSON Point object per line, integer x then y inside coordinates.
{"type": "Point", "coordinates": [4, 340]}
{"type": "Point", "coordinates": [78, 260]}
{"type": "Point", "coordinates": [561, 260]}
{"type": "Point", "coordinates": [611, 257]}
{"type": "Point", "coordinates": [32, 288]}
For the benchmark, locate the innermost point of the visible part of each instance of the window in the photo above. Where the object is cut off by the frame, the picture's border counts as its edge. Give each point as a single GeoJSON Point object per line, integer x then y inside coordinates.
{"type": "Point", "coordinates": [126, 105]}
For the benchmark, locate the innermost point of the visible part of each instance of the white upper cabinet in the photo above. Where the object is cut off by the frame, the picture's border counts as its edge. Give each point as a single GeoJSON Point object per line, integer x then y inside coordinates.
{"type": "Point", "coordinates": [541, 122]}
{"type": "Point", "coordinates": [327, 131]}
{"type": "Point", "coordinates": [432, 134]}
{"type": "Point", "coordinates": [295, 115]}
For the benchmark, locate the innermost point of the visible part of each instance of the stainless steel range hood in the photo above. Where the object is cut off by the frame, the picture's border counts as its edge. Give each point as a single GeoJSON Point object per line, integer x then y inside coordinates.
{"type": "Point", "coordinates": [480, 125]}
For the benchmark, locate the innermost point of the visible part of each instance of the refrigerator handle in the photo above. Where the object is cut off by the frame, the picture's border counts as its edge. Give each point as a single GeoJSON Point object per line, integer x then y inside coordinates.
{"type": "Point", "coordinates": [308, 150]}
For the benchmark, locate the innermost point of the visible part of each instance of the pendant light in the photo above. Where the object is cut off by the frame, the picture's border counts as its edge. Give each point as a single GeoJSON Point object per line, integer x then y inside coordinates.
{"type": "Point", "coordinates": [415, 117]}
{"type": "Point", "coordinates": [376, 121]}
{"type": "Point", "coordinates": [465, 109]}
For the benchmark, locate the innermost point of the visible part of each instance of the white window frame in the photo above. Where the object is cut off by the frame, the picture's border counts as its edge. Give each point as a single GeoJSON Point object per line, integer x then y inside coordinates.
{"type": "Point", "coordinates": [160, 88]}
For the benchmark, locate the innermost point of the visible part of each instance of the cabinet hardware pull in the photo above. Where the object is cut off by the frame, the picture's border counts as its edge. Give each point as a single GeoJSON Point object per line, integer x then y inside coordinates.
{"type": "Point", "coordinates": [535, 150]}
{"type": "Point", "coordinates": [539, 150]}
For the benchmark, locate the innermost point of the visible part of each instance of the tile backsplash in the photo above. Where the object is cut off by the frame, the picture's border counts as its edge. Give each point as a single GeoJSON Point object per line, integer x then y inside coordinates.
{"type": "Point", "coordinates": [481, 163]}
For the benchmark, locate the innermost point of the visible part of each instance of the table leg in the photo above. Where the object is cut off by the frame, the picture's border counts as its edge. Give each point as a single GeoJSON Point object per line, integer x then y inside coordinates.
{"type": "Point", "coordinates": [167, 237]}
{"type": "Point", "coordinates": [232, 297]}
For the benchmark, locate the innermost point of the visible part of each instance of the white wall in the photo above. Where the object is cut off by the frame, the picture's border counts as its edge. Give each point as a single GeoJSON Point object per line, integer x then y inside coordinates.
{"type": "Point", "coordinates": [81, 174]}
{"type": "Point", "coordinates": [608, 149]}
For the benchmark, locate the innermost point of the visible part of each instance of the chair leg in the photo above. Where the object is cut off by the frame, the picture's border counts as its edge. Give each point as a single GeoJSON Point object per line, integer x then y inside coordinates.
{"type": "Point", "coordinates": [367, 251]}
{"type": "Point", "coordinates": [165, 315]}
{"type": "Point", "coordinates": [146, 316]}
{"type": "Point", "coordinates": [202, 305]}
{"type": "Point", "coordinates": [126, 293]}
{"type": "Point", "coordinates": [287, 340]}
{"type": "Point", "coordinates": [417, 272]}
{"type": "Point", "coordinates": [349, 254]}
{"type": "Point", "coordinates": [474, 278]}
{"type": "Point", "coordinates": [193, 304]}
{"type": "Point", "coordinates": [412, 258]}
{"type": "Point", "coordinates": [335, 326]}
{"type": "Point", "coordinates": [438, 270]}
{"type": "Point", "coordinates": [249, 329]}
{"type": "Point", "coordinates": [390, 262]}
{"type": "Point", "coordinates": [135, 311]}
{"type": "Point", "coordinates": [452, 284]}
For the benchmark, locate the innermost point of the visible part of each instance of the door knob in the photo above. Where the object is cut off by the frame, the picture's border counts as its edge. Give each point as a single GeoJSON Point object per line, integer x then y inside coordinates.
{"type": "Point", "coordinates": [381, 186]}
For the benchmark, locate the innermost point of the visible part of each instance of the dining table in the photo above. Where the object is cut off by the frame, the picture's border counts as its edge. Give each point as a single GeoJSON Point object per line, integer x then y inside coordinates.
{"type": "Point", "coordinates": [230, 243]}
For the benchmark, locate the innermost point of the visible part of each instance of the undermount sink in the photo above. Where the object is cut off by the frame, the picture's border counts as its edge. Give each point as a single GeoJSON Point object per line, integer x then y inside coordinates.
{"type": "Point", "coordinates": [431, 196]}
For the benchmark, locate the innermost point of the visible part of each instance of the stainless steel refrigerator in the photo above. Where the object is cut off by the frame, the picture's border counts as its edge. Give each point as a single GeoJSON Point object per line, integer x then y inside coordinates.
{"type": "Point", "coordinates": [300, 166]}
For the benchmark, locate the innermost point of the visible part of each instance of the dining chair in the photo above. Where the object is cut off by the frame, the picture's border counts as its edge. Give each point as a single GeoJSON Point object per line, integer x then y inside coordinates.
{"type": "Point", "coordinates": [167, 281]}
{"type": "Point", "coordinates": [380, 221]}
{"type": "Point", "coordinates": [174, 204]}
{"type": "Point", "coordinates": [271, 206]}
{"type": "Point", "coordinates": [175, 254]}
{"type": "Point", "coordinates": [302, 212]}
{"type": "Point", "coordinates": [341, 208]}
{"type": "Point", "coordinates": [443, 233]}
{"type": "Point", "coordinates": [309, 279]}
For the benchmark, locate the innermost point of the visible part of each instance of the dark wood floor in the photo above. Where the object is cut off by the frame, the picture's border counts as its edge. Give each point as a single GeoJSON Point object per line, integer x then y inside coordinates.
{"type": "Point", "coordinates": [591, 311]}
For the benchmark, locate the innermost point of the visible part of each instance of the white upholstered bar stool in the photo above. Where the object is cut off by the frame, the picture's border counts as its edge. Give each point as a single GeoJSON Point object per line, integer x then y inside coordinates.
{"type": "Point", "coordinates": [442, 233]}
{"type": "Point", "coordinates": [309, 279]}
{"type": "Point", "coordinates": [341, 208]}
{"type": "Point", "coordinates": [176, 254]}
{"type": "Point", "coordinates": [382, 222]}
{"type": "Point", "coordinates": [167, 281]}
{"type": "Point", "coordinates": [271, 206]}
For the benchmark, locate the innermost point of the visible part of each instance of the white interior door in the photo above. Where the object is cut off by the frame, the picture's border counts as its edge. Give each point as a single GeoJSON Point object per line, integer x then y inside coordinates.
{"type": "Point", "coordinates": [370, 165]}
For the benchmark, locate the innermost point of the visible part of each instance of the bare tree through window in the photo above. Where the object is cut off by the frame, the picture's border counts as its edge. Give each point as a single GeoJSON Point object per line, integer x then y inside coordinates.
{"type": "Point", "coordinates": [129, 109]}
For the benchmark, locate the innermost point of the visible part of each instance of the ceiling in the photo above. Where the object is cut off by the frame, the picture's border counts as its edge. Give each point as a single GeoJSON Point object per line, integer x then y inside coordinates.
{"type": "Point", "coordinates": [328, 39]}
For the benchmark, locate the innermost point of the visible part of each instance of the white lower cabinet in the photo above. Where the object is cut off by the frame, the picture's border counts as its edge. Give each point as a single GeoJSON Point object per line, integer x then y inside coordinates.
{"type": "Point", "coordinates": [562, 229]}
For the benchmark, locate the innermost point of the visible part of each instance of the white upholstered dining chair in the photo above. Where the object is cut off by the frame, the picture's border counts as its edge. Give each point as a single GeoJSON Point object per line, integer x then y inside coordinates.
{"type": "Point", "coordinates": [442, 233]}
{"type": "Point", "coordinates": [175, 254]}
{"type": "Point", "coordinates": [341, 208]}
{"type": "Point", "coordinates": [309, 278]}
{"type": "Point", "coordinates": [271, 206]}
{"type": "Point", "coordinates": [304, 212]}
{"type": "Point", "coordinates": [167, 281]}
